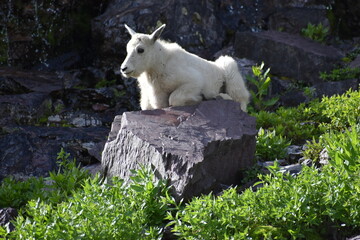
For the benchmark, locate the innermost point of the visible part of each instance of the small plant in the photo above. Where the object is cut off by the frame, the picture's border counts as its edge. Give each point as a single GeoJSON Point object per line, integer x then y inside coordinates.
{"type": "Point", "coordinates": [309, 92]}
{"type": "Point", "coordinates": [270, 146]}
{"type": "Point", "coordinates": [340, 110]}
{"type": "Point", "coordinates": [352, 55]}
{"type": "Point", "coordinates": [313, 149]}
{"type": "Point", "coordinates": [261, 81]}
{"type": "Point", "coordinates": [67, 178]}
{"type": "Point", "coordinates": [105, 83]}
{"type": "Point", "coordinates": [340, 74]}
{"type": "Point", "coordinates": [317, 33]}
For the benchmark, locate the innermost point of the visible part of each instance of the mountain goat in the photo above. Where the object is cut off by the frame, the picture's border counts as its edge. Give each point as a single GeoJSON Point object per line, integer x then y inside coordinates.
{"type": "Point", "coordinates": [170, 76]}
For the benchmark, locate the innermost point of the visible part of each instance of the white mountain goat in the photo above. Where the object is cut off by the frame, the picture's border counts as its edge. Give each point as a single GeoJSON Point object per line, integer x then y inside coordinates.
{"type": "Point", "coordinates": [170, 76]}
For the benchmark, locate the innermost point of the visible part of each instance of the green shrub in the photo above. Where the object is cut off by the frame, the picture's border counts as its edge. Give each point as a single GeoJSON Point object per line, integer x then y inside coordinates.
{"type": "Point", "coordinates": [292, 123]}
{"type": "Point", "coordinates": [58, 186]}
{"type": "Point", "coordinates": [344, 149]}
{"type": "Point", "coordinates": [67, 178]}
{"type": "Point", "coordinates": [340, 110]}
{"type": "Point", "coordinates": [313, 149]}
{"type": "Point", "coordinates": [16, 194]}
{"type": "Point", "coordinates": [309, 121]}
{"type": "Point", "coordinates": [306, 206]}
{"type": "Point", "coordinates": [341, 74]}
{"type": "Point", "coordinates": [99, 211]}
{"type": "Point", "coordinates": [261, 82]}
{"type": "Point", "coordinates": [270, 146]}
{"type": "Point", "coordinates": [317, 33]}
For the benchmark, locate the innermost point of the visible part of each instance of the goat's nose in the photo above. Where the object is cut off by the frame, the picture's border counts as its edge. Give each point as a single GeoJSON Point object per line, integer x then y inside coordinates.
{"type": "Point", "coordinates": [123, 69]}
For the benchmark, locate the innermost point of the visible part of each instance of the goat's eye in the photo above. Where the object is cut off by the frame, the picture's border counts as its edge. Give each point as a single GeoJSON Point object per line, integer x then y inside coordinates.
{"type": "Point", "coordinates": [140, 50]}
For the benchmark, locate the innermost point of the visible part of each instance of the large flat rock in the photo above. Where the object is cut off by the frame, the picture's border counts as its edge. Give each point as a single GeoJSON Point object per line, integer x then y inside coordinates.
{"type": "Point", "coordinates": [287, 54]}
{"type": "Point", "coordinates": [198, 148]}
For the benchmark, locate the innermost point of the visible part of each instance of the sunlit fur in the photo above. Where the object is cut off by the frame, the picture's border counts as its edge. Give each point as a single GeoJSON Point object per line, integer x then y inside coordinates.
{"type": "Point", "coordinates": [170, 76]}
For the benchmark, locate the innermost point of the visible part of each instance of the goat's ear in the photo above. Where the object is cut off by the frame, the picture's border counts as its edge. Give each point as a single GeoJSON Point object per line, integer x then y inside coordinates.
{"type": "Point", "coordinates": [132, 32]}
{"type": "Point", "coordinates": [156, 34]}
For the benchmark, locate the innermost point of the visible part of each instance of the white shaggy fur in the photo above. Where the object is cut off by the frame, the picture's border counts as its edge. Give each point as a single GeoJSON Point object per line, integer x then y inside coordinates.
{"type": "Point", "coordinates": [170, 76]}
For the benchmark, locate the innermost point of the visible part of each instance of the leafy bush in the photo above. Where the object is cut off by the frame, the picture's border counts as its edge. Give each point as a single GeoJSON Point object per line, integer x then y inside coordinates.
{"type": "Point", "coordinates": [340, 110]}
{"type": "Point", "coordinates": [99, 211]}
{"type": "Point", "coordinates": [16, 194]}
{"type": "Point", "coordinates": [317, 33]}
{"type": "Point", "coordinates": [67, 179]}
{"type": "Point", "coordinates": [344, 149]}
{"type": "Point", "coordinates": [308, 121]}
{"type": "Point", "coordinates": [313, 149]}
{"type": "Point", "coordinates": [270, 146]}
{"type": "Point", "coordinates": [340, 74]}
{"type": "Point", "coordinates": [291, 123]}
{"type": "Point", "coordinates": [310, 205]}
{"type": "Point", "coordinates": [261, 82]}
{"type": "Point", "coordinates": [55, 188]}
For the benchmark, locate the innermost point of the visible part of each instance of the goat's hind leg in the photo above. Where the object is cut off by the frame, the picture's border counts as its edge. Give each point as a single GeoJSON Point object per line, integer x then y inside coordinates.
{"type": "Point", "coordinates": [187, 94]}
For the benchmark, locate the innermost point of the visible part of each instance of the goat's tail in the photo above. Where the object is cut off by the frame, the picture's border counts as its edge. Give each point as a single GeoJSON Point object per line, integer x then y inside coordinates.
{"type": "Point", "coordinates": [234, 83]}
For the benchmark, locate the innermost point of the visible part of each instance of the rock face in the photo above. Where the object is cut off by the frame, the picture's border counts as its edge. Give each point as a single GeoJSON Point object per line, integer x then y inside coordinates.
{"type": "Point", "coordinates": [45, 30]}
{"type": "Point", "coordinates": [201, 27]}
{"type": "Point", "coordinates": [293, 20]}
{"type": "Point", "coordinates": [197, 148]}
{"type": "Point", "coordinates": [289, 55]}
{"type": "Point", "coordinates": [347, 12]}
{"type": "Point", "coordinates": [42, 112]}
{"type": "Point", "coordinates": [31, 151]}
{"type": "Point", "coordinates": [7, 215]}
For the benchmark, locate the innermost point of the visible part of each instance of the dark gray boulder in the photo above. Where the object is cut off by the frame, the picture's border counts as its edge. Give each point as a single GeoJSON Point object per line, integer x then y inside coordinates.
{"type": "Point", "coordinates": [198, 148]}
{"type": "Point", "coordinates": [331, 88]}
{"type": "Point", "coordinates": [6, 216]}
{"type": "Point", "coordinates": [31, 151]}
{"type": "Point", "coordinates": [288, 55]}
{"type": "Point", "coordinates": [293, 20]}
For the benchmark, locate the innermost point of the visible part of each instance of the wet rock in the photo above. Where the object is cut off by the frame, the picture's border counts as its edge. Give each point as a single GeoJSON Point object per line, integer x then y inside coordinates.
{"type": "Point", "coordinates": [32, 151]}
{"type": "Point", "coordinates": [288, 55]}
{"type": "Point", "coordinates": [197, 148]}
{"type": "Point", "coordinates": [6, 216]}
